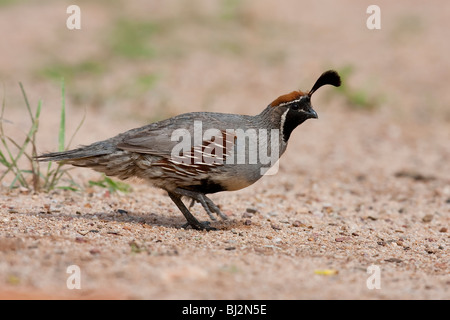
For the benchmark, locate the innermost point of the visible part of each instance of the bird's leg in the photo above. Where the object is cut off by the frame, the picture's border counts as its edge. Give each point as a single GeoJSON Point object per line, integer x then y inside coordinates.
{"type": "Point", "coordinates": [191, 220]}
{"type": "Point", "coordinates": [214, 208]}
{"type": "Point", "coordinates": [195, 196]}
{"type": "Point", "coordinates": [207, 203]}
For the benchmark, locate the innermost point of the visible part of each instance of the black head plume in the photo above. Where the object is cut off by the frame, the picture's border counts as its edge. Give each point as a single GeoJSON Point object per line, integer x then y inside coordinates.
{"type": "Point", "coordinates": [328, 77]}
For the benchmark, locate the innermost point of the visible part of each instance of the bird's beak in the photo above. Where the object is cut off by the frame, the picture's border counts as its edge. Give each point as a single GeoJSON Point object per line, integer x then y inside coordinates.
{"type": "Point", "coordinates": [311, 113]}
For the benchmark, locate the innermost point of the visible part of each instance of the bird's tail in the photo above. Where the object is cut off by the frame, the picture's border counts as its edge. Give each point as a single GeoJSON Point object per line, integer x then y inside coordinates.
{"type": "Point", "coordinates": [100, 156]}
{"type": "Point", "coordinates": [84, 152]}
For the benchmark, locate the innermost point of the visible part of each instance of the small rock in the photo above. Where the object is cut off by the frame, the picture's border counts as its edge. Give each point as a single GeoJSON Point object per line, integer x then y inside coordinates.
{"type": "Point", "coordinates": [396, 260]}
{"type": "Point", "coordinates": [328, 208]}
{"type": "Point", "coordinates": [427, 218]}
{"type": "Point", "coordinates": [275, 226]}
{"type": "Point", "coordinates": [121, 211]}
{"type": "Point", "coordinates": [83, 232]}
{"type": "Point", "coordinates": [247, 215]}
{"type": "Point", "coordinates": [24, 190]}
{"type": "Point", "coordinates": [277, 240]}
{"type": "Point", "coordinates": [230, 248]}
{"type": "Point", "coordinates": [342, 239]}
{"type": "Point", "coordinates": [228, 213]}
{"type": "Point", "coordinates": [135, 243]}
{"type": "Point", "coordinates": [298, 223]}
{"type": "Point", "coordinates": [417, 176]}
{"type": "Point", "coordinates": [247, 222]}
{"type": "Point", "coordinates": [94, 251]}
{"type": "Point", "coordinates": [317, 213]}
{"type": "Point", "coordinates": [251, 210]}
{"type": "Point", "coordinates": [443, 229]}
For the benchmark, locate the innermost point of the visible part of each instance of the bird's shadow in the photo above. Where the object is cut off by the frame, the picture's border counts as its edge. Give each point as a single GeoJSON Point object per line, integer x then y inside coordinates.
{"type": "Point", "coordinates": [149, 219]}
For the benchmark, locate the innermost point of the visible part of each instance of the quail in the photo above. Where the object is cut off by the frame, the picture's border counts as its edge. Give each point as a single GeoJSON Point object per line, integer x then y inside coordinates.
{"type": "Point", "coordinates": [198, 153]}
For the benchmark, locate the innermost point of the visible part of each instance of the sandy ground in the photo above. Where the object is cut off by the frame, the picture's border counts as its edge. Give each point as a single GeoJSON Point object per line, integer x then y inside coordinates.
{"type": "Point", "coordinates": [359, 187]}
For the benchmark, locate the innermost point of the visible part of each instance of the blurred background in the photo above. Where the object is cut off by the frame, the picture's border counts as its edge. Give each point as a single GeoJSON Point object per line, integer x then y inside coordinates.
{"type": "Point", "coordinates": [135, 62]}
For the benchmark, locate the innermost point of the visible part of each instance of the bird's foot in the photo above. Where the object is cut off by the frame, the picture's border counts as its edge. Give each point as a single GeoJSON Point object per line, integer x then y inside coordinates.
{"type": "Point", "coordinates": [199, 225]}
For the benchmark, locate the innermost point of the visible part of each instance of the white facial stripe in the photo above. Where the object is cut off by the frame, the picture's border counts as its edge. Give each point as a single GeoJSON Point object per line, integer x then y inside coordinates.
{"type": "Point", "coordinates": [292, 101]}
{"type": "Point", "coordinates": [286, 103]}
{"type": "Point", "coordinates": [282, 121]}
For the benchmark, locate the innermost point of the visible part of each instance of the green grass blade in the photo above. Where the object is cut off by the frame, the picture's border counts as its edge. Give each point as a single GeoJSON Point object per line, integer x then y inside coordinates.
{"type": "Point", "coordinates": [76, 130]}
{"type": "Point", "coordinates": [11, 186]}
{"type": "Point", "coordinates": [26, 100]}
{"type": "Point", "coordinates": [3, 160]}
{"type": "Point", "coordinates": [62, 122]}
{"type": "Point", "coordinates": [12, 166]}
{"type": "Point", "coordinates": [20, 149]}
{"type": "Point", "coordinates": [3, 111]}
{"type": "Point", "coordinates": [34, 164]}
{"type": "Point", "coordinates": [54, 177]}
{"type": "Point", "coordinates": [38, 110]}
{"type": "Point", "coordinates": [28, 138]}
{"type": "Point", "coordinates": [47, 175]}
{"type": "Point", "coordinates": [11, 151]}
{"type": "Point", "coordinates": [68, 188]}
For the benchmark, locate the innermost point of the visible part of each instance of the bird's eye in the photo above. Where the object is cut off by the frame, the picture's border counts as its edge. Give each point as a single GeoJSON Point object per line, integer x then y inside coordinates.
{"type": "Point", "coordinates": [295, 106]}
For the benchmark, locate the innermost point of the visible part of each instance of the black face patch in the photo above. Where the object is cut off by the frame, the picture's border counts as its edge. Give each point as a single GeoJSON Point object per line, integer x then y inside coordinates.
{"type": "Point", "coordinates": [295, 106]}
{"type": "Point", "coordinates": [293, 119]}
{"type": "Point", "coordinates": [297, 113]}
